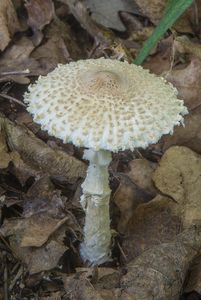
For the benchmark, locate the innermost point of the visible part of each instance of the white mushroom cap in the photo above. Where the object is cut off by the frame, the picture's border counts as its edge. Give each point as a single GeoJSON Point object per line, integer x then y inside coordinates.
{"type": "Point", "coordinates": [105, 104]}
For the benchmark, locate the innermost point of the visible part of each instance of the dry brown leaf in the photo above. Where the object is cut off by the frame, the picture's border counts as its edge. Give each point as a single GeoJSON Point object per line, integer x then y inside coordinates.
{"type": "Point", "coordinates": [40, 13]}
{"type": "Point", "coordinates": [80, 288]}
{"type": "Point", "coordinates": [179, 176]}
{"type": "Point", "coordinates": [160, 271]}
{"type": "Point", "coordinates": [151, 224]}
{"type": "Point", "coordinates": [161, 62]}
{"type": "Point", "coordinates": [16, 59]}
{"type": "Point", "coordinates": [140, 173]}
{"type": "Point", "coordinates": [59, 47]}
{"type": "Point", "coordinates": [33, 231]}
{"type": "Point", "coordinates": [4, 155]}
{"type": "Point", "coordinates": [152, 9]}
{"type": "Point", "coordinates": [184, 45]}
{"type": "Point", "coordinates": [38, 228]}
{"type": "Point", "coordinates": [9, 23]}
{"type": "Point", "coordinates": [193, 283]}
{"type": "Point", "coordinates": [90, 284]}
{"type": "Point", "coordinates": [188, 81]}
{"type": "Point", "coordinates": [81, 14]}
{"type": "Point", "coordinates": [127, 197]}
{"type": "Point", "coordinates": [188, 135]}
{"type": "Point", "coordinates": [53, 296]}
{"type": "Point", "coordinates": [106, 12]}
{"type": "Point", "coordinates": [23, 59]}
{"type": "Point", "coordinates": [36, 153]}
{"type": "Point", "coordinates": [45, 258]}
{"type": "Point", "coordinates": [43, 198]}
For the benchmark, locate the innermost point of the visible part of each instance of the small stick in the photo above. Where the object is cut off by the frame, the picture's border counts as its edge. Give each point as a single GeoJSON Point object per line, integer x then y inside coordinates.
{"type": "Point", "coordinates": [17, 276]}
{"type": "Point", "coordinates": [5, 277]}
{"type": "Point", "coordinates": [23, 72]}
{"type": "Point", "coordinates": [122, 251]}
{"type": "Point", "coordinates": [12, 99]}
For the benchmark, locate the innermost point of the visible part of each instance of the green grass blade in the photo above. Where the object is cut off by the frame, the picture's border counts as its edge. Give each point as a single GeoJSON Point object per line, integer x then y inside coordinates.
{"type": "Point", "coordinates": [174, 10]}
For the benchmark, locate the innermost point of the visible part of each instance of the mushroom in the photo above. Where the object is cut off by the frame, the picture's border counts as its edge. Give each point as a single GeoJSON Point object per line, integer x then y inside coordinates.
{"type": "Point", "coordinates": [105, 106]}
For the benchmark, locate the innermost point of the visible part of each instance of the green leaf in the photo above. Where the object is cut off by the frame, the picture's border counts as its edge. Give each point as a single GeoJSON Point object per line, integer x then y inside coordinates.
{"type": "Point", "coordinates": [173, 11]}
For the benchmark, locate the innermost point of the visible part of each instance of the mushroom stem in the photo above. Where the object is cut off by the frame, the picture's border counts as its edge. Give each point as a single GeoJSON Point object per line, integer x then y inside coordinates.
{"type": "Point", "coordinates": [95, 202]}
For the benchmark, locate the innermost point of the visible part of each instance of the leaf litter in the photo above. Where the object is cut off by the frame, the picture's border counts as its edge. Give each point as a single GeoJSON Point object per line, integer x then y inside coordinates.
{"type": "Point", "coordinates": [155, 207]}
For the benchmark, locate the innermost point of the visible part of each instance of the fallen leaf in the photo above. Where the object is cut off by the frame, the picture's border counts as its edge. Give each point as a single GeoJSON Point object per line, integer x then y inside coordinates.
{"type": "Point", "coordinates": [9, 23]}
{"type": "Point", "coordinates": [183, 44]}
{"type": "Point", "coordinates": [81, 14]}
{"type": "Point", "coordinates": [4, 155]}
{"type": "Point", "coordinates": [80, 288]}
{"type": "Point", "coordinates": [45, 258]}
{"type": "Point", "coordinates": [106, 12]}
{"type": "Point", "coordinates": [23, 59]}
{"type": "Point", "coordinates": [38, 229]}
{"type": "Point", "coordinates": [152, 9]}
{"type": "Point", "coordinates": [53, 296]}
{"type": "Point", "coordinates": [140, 173]}
{"type": "Point", "coordinates": [188, 135]}
{"type": "Point", "coordinates": [43, 198]}
{"type": "Point", "coordinates": [36, 153]}
{"type": "Point", "coordinates": [40, 13]}
{"type": "Point", "coordinates": [193, 284]}
{"type": "Point", "coordinates": [89, 283]}
{"type": "Point", "coordinates": [151, 224]}
{"type": "Point", "coordinates": [161, 62]}
{"type": "Point", "coordinates": [179, 176]}
{"type": "Point", "coordinates": [187, 81]}
{"type": "Point", "coordinates": [159, 272]}
{"type": "Point", "coordinates": [127, 197]}
{"type": "Point", "coordinates": [33, 231]}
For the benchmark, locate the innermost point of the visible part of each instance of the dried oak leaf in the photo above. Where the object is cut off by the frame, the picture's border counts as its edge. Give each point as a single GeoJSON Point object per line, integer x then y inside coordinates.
{"type": "Point", "coordinates": [187, 81]}
{"type": "Point", "coordinates": [33, 231]}
{"type": "Point", "coordinates": [40, 13]}
{"type": "Point", "coordinates": [43, 198]}
{"type": "Point", "coordinates": [39, 155]}
{"type": "Point", "coordinates": [45, 258]}
{"type": "Point", "coordinates": [9, 23]}
{"type": "Point", "coordinates": [179, 176]}
{"type": "Point", "coordinates": [127, 197]}
{"type": "Point", "coordinates": [106, 12]}
{"type": "Point", "coordinates": [188, 135]}
{"type": "Point", "coordinates": [4, 155]}
{"type": "Point", "coordinates": [140, 173]}
{"type": "Point", "coordinates": [159, 272]}
{"type": "Point", "coordinates": [152, 9]}
{"type": "Point", "coordinates": [90, 284]}
{"type": "Point", "coordinates": [134, 189]}
{"type": "Point", "coordinates": [193, 283]}
{"type": "Point", "coordinates": [151, 224]}
{"type": "Point", "coordinates": [22, 59]}
{"type": "Point", "coordinates": [26, 235]}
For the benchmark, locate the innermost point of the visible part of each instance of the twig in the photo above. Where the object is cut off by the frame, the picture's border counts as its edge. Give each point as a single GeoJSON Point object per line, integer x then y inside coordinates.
{"type": "Point", "coordinates": [122, 251]}
{"type": "Point", "coordinates": [12, 99]}
{"type": "Point", "coordinates": [17, 276]}
{"type": "Point", "coordinates": [23, 72]}
{"type": "Point", "coordinates": [5, 277]}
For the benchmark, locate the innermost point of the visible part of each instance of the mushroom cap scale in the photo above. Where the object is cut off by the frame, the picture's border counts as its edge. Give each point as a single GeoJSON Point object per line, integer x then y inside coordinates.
{"type": "Point", "coordinates": [105, 104]}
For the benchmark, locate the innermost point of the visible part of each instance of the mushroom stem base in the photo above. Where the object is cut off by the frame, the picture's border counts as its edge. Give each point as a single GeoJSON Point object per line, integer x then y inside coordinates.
{"type": "Point", "coordinates": [95, 202]}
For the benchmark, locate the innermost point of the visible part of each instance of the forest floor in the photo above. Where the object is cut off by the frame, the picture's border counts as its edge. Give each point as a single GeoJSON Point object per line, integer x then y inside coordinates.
{"type": "Point", "coordinates": [156, 193]}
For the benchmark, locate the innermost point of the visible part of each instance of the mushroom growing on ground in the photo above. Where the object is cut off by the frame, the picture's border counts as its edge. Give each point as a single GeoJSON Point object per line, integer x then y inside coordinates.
{"type": "Point", "coordinates": [105, 106]}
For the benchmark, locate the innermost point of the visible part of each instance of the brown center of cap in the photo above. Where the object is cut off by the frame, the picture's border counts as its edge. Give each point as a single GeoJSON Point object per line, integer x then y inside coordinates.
{"type": "Point", "coordinates": [101, 82]}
